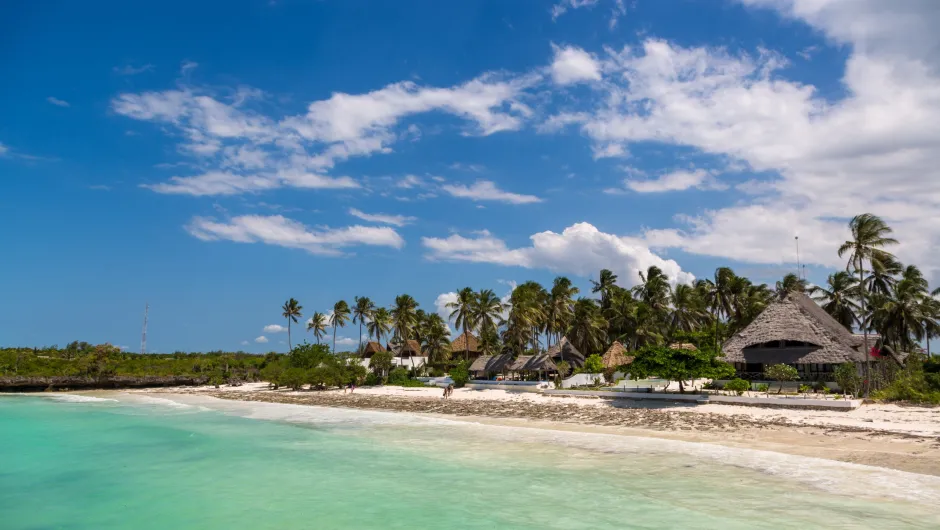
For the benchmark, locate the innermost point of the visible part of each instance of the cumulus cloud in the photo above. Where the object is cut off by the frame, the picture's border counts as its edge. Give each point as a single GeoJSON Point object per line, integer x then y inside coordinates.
{"type": "Point", "coordinates": [261, 340]}
{"type": "Point", "coordinates": [580, 249]}
{"type": "Point", "coordinates": [275, 328]}
{"type": "Point", "coordinates": [676, 181]}
{"type": "Point", "coordinates": [383, 218]}
{"type": "Point", "coordinates": [3, 149]}
{"type": "Point", "coordinates": [280, 231]}
{"type": "Point", "coordinates": [57, 102]}
{"type": "Point", "coordinates": [346, 341]}
{"type": "Point", "coordinates": [132, 70]}
{"type": "Point", "coordinates": [573, 65]}
{"type": "Point", "coordinates": [486, 190]}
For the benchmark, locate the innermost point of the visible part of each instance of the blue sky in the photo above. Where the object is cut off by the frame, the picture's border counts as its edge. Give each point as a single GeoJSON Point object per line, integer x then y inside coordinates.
{"type": "Point", "coordinates": [213, 159]}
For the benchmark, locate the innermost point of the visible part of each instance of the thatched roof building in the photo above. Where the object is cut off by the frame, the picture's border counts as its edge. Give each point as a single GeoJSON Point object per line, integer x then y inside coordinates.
{"type": "Point", "coordinates": [616, 356]}
{"type": "Point", "coordinates": [410, 348]}
{"type": "Point", "coordinates": [534, 363]}
{"type": "Point", "coordinates": [795, 330]}
{"type": "Point", "coordinates": [371, 348]}
{"type": "Point", "coordinates": [563, 350]}
{"type": "Point", "coordinates": [491, 364]}
{"type": "Point", "coordinates": [466, 342]}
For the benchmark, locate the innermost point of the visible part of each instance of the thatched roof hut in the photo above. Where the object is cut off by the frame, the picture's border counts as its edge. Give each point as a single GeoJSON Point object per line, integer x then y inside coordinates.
{"type": "Point", "coordinates": [410, 348]}
{"type": "Point", "coordinates": [466, 342]}
{"type": "Point", "coordinates": [795, 330]}
{"type": "Point", "coordinates": [534, 363]}
{"type": "Point", "coordinates": [563, 350]}
{"type": "Point", "coordinates": [371, 348]}
{"type": "Point", "coordinates": [491, 364]}
{"type": "Point", "coordinates": [616, 356]}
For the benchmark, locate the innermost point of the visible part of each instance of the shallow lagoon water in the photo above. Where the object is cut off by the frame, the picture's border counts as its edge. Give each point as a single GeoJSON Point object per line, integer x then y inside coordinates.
{"type": "Point", "coordinates": [142, 461]}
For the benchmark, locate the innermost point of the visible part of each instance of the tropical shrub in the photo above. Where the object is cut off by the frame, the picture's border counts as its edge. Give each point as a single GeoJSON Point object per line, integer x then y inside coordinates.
{"type": "Point", "coordinates": [593, 364]}
{"type": "Point", "coordinates": [805, 389]}
{"type": "Point", "coordinates": [740, 386]}
{"type": "Point", "coordinates": [398, 376]}
{"type": "Point", "coordinates": [782, 373]}
{"type": "Point", "coordinates": [679, 364]}
{"type": "Point", "coordinates": [293, 378]}
{"type": "Point", "coordinates": [460, 374]}
{"type": "Point", "coordinates": [763, 387]}
{"type": "Point", "coordinates": [848, 378]}
{"type": "Point", "coordinates": [372, 380]}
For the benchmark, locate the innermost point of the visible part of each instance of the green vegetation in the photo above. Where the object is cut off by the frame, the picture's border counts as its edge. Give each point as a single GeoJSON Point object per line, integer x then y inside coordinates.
{"type": "Point", "coordinates": [593, 364]}
{"type": "Point", "coordinates": [763, 387]}
{"type": "Point", "coordinates": [739, 386]}
{"type": "Point", "coordinates": [460, 374]}
{"type": "Point", "coordinates": [782, 373]}
{"type": "Point", "coordinates": [918, 382]}
{"type": "Point", "coordinates": [679, 364]}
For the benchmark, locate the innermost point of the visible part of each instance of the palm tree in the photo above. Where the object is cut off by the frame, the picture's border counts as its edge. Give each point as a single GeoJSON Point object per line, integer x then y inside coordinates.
{"type": "Point", "coordinates": [653, 288]}
{"type": "Point", "coordinates": [560, 306]}
{"type": "Point", "coordinates": [463, 313]}
{"type": "Point", "coordinates": [489, 342]}
{"type": "Point", "coordinates": [791, 283]}
{"type": "Point", "coordinates": [717, 294]}
{"type": "Point", "coordinates": [404, 317]}
{"type": "Point", "coordinates": [291, 311]}
{"type": "Point", "coordinates": [604, 284]}
{"type": "Point", "coordinates": [687, 309]}
{"type": "Point", "coordinates": [317, 324]}
{"type": "Point", "coordinates": [487, 310]}
{"type": "Point", "coordinates": [380, 324]}
{"type": "Point", "coordinates": [435, 339]}
{"type": "Point", "coordinates": [930, 311]}
{"type": "Point", "coordinates": [528, 301]}
{"type": "Point", "coordinates": [837, 298]}
{"type": "Point", "coordinates": [622, 317]}
{"type": "Point", "coordinates": [362, 311]}
{"type": "Point", "coordinates": [869, 236]}
{"type": "Point", "coordinates": [588, 331]}
{"type": "Point", "coordinates": [339, 318]}
{"type": "Point", "coordinates": [882, 277]}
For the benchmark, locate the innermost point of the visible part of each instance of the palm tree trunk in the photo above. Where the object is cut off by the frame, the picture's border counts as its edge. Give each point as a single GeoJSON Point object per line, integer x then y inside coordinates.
{"type": "Point", "coordinates": [466, 342]}
{"type": "Point", "coordinates": [864, 296]}
{"type": "Point", "coordinates": [360, 336]}
{"type": "Point", "coordinates": [289, 345]}
{"type": "Point", "coordinates": [334, 339]}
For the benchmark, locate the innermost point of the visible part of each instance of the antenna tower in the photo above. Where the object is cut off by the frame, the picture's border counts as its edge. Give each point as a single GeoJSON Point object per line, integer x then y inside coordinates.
{"type": "Point", "coordinates": [799, 269]}
{"type": "Point", "coordinates": [143, 335]}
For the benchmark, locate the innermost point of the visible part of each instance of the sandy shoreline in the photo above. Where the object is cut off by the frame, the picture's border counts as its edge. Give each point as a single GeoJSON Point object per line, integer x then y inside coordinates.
{"type": "Point", "coordinates": [902, 438]}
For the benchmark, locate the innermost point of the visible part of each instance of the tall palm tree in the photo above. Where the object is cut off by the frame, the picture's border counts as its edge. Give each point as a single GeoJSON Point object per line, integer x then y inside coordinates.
{"type": "Point", "coordinates": [489, 342]}
{"type": "Point", "coordinates": [317, 324]}
{"type": "Point", "coordinates": [339, 318]}
{"type": "Point", "coordinates": [687, 309]}
{"type": "Point", "coordinates": [463, 313]}
{"type": "Point", "coordinates": [870, 234]}
{"type": "Point", "coordinates": [435, 339]}
{"type": "Point", "coordinates": [791, 283]}
{"type": "Point", "coordinates": [622, 317]}
{"type": "Point", "coordinates": [362, 311]}
{"type": "Point", "coordinates": [291, 311]}
{"type": "Point", "coordinates": [404, 317]}
{"type": "Point", "coordinates": [588, 331]}
{"type": "Point", "coordinates": [883, 274]}
{"type": "Point", "coordinates": [380, 324]}
{"type": "Point", "coordinates": [837, 298]}
{"type": "Point", "coordinates": [487, 310]}
{"type": "Point", "coordinates": [561, 306]}
{"type": "Point", "coordinates": [653, 288]}
{"type": "Point", "coordinates": [930, 310]}
{"type": "Point", "coordinates": [718, 297]}
{"type": "Point", "coordinates": [604, 284]}
{"type": "Point", "coordinates": [528, 302]}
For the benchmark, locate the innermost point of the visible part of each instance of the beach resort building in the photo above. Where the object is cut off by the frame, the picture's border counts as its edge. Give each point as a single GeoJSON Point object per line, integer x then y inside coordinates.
{"type": "Point", "coordinates": [466, 346]}
{"type": "Point", "coordinates": [408, 354]}
{"type": "Point", "coordinates": [616, 356]}
{"type": "Point", "coordinates": [563, 350]}
{"type": "Point", "coordinates": [371, 348]}
{"type": "Point", "coordinates": [794, 330]}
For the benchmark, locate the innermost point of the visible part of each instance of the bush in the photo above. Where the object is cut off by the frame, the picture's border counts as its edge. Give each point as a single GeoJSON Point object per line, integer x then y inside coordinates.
{"type": "Point", "coordinates": [740, 386]}
{"type": "Point", "coordinates": [372, 380]}
{"type": "Point", "coordinates": [460, 374]}
{"type": "Point", "coordinates": [294, 378]}
{"type": "Point", "coordinates": [763, 387]}
{"type": "Point", "coordinates": [593, 364]}
{"type": "Point", "coordinates": [398, 376]}
{"type": "Point", "coordinates": [910, 384]}
{"type": "Point", "coordinates": [805, 389]}
{"type": "Point", "coordinates": [848, 379]}
{"type": "Point", "coordinates": [782, 373]}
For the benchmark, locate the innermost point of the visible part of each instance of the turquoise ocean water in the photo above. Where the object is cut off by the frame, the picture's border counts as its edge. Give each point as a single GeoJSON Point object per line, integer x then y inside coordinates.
{"type": "Point", "coordinates": [141, 462]}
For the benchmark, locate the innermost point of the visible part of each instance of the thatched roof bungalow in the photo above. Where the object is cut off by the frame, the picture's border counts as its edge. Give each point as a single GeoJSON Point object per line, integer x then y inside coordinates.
{"type": "Point", "coordinates": [466, 344]}
{"type": "Point", "coordinates": [616, 356]}
{"type": "Point", "coordinates": [795, 331]}
{"type": "Point", "coordinates": [534, 363]}
{"type": "Point", "coordinates": [563, 350]}
{"type": "Point", "coordinates": [371, 348]}
{"type": "Point", "coordinates": [410, 348]}
{"type": "Point", "coordinates": [486, 365]}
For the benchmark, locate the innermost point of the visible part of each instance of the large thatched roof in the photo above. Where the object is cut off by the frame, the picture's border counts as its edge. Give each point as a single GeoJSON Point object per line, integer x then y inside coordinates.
{"type": "Point", "coordinates": [410, 348]}
{"type": "Point", "coordinates": [461, 343]}
{"type": "Point", "coordinates": [818, 337]}
{"type": "Point", "coordinates": [563, 350]}
{"type": "Point", "coordinates": [372, 348]}
{"type": "Point", "coordinates": [534, 363]}
{"type": "Point", "coordinates": [492, 363]}
{"type": "Point", "coordinates": [616, 356]}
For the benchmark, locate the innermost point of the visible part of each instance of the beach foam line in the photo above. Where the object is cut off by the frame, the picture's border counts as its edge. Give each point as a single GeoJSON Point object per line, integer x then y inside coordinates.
{"type": "Point", "coordinates": [76, 398]}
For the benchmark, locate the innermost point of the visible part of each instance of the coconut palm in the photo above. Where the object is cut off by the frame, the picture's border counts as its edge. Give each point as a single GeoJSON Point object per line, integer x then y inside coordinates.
{"type": "Point", "coordinates": [883, 275]}
{"type": "Point", "coordinates": [687, 310]}
{"type": "Point", "coordinates": [838, 298]}
{"type": "Point", "coordinates": [870, 234]}
{"type": "Point", "coordinates": [291, 311]}
{"type": "Point", "coordinates": [560, 306]}
{"type": "Point", "coordinates": [489, 342]}
{"type": "Point", "coordinates": [404, 317]}
{"type": "Point", "coordinates": [622, 317]}
{"type": "Point", "coordinates": [317, 324]}
{"type": "Point", "coordinates": [588, 331]}
{"type": "Point", "coordinates": [487, 310]}
{"type": "Point", "coordinates": [380, 324]}
{"type": "Point", "coordinates": [339, 318]}
{"type": "Point", "coordinates": [653, 288]}
{"type": "Point", "coordinates": [435, 340]}
{"type": "Point", "coordinates": [362, 311]}
{"type": "Point", "coordinates": [604, 284]}
{"type": "Point", "coordinates": [791, 283]}
{"type": "Point", "coordinates": [463, 313]}
{"type": "Point", "coordinates": [527, 309]}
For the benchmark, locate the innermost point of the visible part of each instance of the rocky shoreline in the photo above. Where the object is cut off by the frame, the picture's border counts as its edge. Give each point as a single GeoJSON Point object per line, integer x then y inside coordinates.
{"type": "Point", "coordinates": [63, 383]}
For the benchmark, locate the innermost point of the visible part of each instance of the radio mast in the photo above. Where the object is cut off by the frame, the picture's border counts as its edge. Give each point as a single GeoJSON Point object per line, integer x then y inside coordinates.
{"type": "Point", "coordinates": [143, 335]}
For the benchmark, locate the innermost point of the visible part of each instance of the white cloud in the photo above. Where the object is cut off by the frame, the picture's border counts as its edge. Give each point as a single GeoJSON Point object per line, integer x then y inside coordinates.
{"type": "Point", "coordinates": [3, 149]}
{"type": "Point", "coordinates": [409, 181]}
{"type": "Point", "coordinates": [275, 328]}
{"type": "Point", "coordinates": [280, 231]}
{"type": "Point", "coordinates": [485, 190]}
{"type": "Point", "coordinates": [57, 102]}
{"type": "Point", "coordinates": [573, 65]}
{"type": "Point", "coordinates": [440, 304]}
{"type": "Point", "coordinates": [580, 249]}
{"type": "Point", "coordinates": [244, 343]}
{"type": "Point", "coordinates": [261, 340]}
{"type": "Point", "coordinates": [187, 66]}
{"type": "Point", "coordinates": [676, 181]}
{"type": "Point", "coordinates": [382, 218]}
{"type": "Point", "coordinates": [132, 70]}
{"type": "Point", "coordinates": [563, 6]}
{"type": "Point", "coordinates": [346, 341]}
{"type": "Point", "coordinates": [611, 150]}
